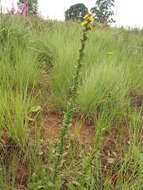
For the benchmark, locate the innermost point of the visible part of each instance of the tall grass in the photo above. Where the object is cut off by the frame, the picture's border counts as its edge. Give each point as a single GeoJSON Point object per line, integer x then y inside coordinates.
{"type": "Point", "coordinates": [19, 81]}
{"type": "Point", "coordinates": [37, 63]}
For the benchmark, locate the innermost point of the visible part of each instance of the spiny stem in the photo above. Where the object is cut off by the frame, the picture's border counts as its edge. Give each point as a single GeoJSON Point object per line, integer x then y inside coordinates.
{"type": "Point", "coordinates": [67, 122]}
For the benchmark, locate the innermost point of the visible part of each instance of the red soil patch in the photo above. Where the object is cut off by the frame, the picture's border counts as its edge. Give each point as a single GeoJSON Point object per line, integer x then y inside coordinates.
{"type": "Point", "coordinates": [85, 132]}
{"type": "Point", "coordinates": [114, 141]}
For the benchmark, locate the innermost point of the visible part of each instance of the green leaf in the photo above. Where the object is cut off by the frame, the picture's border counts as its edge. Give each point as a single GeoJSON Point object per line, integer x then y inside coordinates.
{"type": "Point", "coordinates": [35, 109]}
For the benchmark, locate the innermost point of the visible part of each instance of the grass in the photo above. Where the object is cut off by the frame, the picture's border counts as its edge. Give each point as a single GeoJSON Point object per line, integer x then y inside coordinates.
{"type": "Point", "coordinates": [37, 64]}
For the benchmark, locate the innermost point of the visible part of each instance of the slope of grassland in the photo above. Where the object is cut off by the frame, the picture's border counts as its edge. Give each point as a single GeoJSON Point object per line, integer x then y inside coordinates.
{"type": "Point", "coordinates": [37, 63]}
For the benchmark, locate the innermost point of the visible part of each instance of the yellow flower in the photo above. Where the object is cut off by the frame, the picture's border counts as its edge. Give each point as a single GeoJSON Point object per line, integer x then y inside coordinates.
{"type": "Point", "coordinates": [84, 23]}
{"type": "Point", "coordinates": [91, 19]}
{"type": "Point", "coordinates": [88, 18]}
{"type": "Point", "coordinates": [87, 21]}
{"type": "Point", "coordinates": [90, 27]}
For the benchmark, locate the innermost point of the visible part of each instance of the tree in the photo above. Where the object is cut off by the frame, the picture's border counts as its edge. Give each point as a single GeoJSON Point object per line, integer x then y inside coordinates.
{"type": "Point", "coordinates": [76, 12]}
{"type": "Point", "coordinates": [103, 11]}
{"type": "Point", "coordinates": [32, 6]}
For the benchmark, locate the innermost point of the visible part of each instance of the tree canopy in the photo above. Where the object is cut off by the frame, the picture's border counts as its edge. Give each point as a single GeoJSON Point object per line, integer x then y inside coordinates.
{"type": "Point", "coordinates": [103, 11]}
{"type": "Point", "coordinates": [76, 12]}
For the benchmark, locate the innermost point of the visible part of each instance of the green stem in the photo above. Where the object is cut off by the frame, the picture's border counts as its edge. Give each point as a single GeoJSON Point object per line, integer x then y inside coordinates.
{"type": "Point", "coordinates": [67, 122]}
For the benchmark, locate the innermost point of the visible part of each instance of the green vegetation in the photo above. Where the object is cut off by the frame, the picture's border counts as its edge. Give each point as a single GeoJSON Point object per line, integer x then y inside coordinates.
{"type": "Point", "coordinates": [103, 11]}
{"type": "Point", "coordinates": [76, 12]}
{"type": "Point", "coordinates": [37, 64]}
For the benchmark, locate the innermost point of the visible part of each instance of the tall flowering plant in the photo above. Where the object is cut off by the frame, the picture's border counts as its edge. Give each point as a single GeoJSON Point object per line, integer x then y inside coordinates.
{"type": "Point", "coordinates": [24, 7]}
{"type": "Point", "coordinates": [67, 122]}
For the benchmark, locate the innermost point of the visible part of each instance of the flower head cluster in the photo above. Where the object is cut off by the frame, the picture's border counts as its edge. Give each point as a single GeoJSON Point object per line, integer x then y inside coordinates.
{"type": "Point", "coordinates": [87, 21]}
